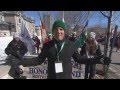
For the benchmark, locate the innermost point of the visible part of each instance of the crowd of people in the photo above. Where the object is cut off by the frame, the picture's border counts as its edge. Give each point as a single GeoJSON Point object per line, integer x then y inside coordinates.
{"type": "Point", "coordinates": [116, 44]}
{"type": "Point", "coordinates": [59, 50]}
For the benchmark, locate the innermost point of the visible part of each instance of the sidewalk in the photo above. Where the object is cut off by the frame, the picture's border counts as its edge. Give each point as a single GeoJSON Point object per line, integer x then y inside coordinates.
{"type": "Point", "coordinates": [4, 72]}
{"type": "Point", "coordinates": [113, 72]}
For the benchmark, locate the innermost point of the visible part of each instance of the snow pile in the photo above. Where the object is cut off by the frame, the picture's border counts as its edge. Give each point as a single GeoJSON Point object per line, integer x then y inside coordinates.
{"type": "Point", "coordinates": [4, 41]}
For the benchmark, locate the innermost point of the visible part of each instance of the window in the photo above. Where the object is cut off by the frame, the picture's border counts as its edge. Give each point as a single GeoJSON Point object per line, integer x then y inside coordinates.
{"type": "Point", "coordinates": [3, 27]}
{"type": "Point", "coordinates": [13, 26]}
{"type": "Point", "coordinates": [19, 20]}
{"type": "Point", "coordinates": [0, 27]}
{"type": "Point", "coordinates": [7, 27]}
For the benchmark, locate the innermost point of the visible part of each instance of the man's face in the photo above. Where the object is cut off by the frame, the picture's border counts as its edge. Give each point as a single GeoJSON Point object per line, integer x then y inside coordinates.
{"type": "Point", "coordinates": [59, 33]}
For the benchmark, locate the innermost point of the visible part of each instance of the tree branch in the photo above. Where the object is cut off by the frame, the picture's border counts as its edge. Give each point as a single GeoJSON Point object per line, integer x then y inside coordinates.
{"type": "Point", "coordinates": [116, 16]}
{"type": "Point", "coordinates": [104, 14]}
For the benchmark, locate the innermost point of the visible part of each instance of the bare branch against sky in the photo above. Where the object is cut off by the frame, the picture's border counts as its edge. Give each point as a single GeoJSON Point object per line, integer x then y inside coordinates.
{"type": "Point", "coordinates": [78, 17]}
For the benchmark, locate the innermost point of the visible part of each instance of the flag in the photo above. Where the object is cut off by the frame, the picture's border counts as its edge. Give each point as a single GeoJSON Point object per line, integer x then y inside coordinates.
{"type": "Point", "coordinates": [63, 17]}
{"type": "Point", "coordinates": [43, 32]}
{"type": "Point", "coordinates": [26, 38]}
{"type": "Point", "coordinates": [81, 40]}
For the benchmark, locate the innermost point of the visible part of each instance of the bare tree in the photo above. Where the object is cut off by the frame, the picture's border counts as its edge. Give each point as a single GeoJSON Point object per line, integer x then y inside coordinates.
{"type": "Point", "coordinates": [115, 16]}
{"type": "Point", "coordinates": [74, 18]}
{"type": "Point", "coordinates": [111, 16]}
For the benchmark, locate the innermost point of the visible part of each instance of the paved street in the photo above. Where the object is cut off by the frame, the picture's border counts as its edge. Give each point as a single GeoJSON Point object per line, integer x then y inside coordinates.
{"type": "Point", "coordinates": [114, 68]}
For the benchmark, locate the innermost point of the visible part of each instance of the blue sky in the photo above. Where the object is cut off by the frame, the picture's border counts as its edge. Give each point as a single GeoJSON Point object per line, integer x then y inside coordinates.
{"type": "Point", "coordinates": [34, 14]}
{"type": "Point", "coordinates": [94, 20]}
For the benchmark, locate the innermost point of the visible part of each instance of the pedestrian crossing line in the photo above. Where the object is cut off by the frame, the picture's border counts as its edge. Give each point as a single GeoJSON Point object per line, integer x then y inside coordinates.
{"type": "Point", "coordinates": [97, 76]}
{"type": "Point", "coordinates": [4, 77]}
{"type": "Point", "coordinates": [113, 70]}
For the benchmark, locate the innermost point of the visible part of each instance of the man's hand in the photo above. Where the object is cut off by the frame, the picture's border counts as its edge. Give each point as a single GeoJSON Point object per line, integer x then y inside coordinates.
{"type": "Point", "coordinates": [22, 68]}
{"type": "Point", "coordinates": [101, 60]}
{"type": "Point", "coordinates": [107, 60]}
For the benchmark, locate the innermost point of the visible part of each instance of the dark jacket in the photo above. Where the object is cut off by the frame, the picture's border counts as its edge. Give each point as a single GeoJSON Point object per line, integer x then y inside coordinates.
{"type": "Point", "coordinates": [37, 41]}
{"type": "Point", "coordinates": [49, 51]}
{"type": "Point", "coordinates": [16, 48]}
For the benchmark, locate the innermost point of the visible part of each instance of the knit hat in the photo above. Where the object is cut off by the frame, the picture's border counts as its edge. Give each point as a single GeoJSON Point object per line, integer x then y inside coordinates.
{"type": "Point", "coordinates": [59, 23]}
{"type": "Point", "coordinates": [92, 35]}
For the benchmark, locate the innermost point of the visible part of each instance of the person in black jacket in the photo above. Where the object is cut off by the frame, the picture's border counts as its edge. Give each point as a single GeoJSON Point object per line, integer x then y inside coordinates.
{"type": "Point", "coordinates": [36, 43]}
{"type": "Point", "coordinates": [58, 52]}
{"type": "Point", "coordinates": [15, 50]}
{"type": "Point", "coordinates": [90, 49]}
{"type": "Point", "coordinates": [16, 47]}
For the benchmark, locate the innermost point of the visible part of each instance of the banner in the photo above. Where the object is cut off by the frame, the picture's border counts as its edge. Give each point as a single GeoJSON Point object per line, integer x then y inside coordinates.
{"type": "Point", "coordinates": [26, 38]}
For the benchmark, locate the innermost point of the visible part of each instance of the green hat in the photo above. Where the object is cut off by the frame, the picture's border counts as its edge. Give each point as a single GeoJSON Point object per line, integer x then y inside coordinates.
{"type": "Point", "coordinates": [59, 23]}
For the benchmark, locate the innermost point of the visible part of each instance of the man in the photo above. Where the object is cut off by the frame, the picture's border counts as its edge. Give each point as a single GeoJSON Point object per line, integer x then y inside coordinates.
{"type": "Point", "coordinates": [58, 52]}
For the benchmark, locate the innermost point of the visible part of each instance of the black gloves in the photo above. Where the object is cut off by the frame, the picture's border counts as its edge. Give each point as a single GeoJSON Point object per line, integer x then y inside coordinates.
{"type": "Point", "coordinates": [19, 55]}
{"type": "Point", "coordinates": [16, 54]}
{"type": "Point", "coordinates": [107, 60]}
{"type": "Point", "coordinates": [96, 59]}
{"type": "Point", "coordinates": [18, 70]}
{"type": "Point", "coordinates": [100, 60]}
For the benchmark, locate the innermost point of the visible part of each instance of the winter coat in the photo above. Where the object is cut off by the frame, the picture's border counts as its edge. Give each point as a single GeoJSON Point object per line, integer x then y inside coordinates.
{"type": "Point", "coordinates": [49, 51]}
{"type": "Point", "coordinates": [16, 48]}
{"type": "Point", "coordinates": [37, 41]}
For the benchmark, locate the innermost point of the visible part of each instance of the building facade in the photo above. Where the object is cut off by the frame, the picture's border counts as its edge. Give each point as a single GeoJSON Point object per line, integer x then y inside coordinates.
{"type": "Point", "coordinates": [47, 20]}
{"type": "Point", "coordinates": [4, 27]}
{"type": "Point", "coordinates": [13, 20]}
{"type": "Point", "coordinates": [12, 17]}
{"type": "Point", "coordinates": [37, 30]}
